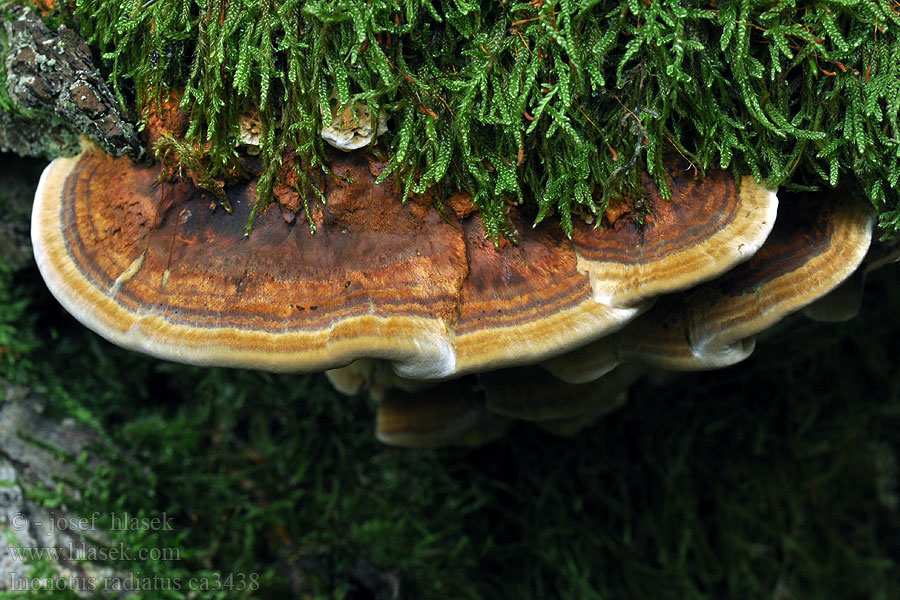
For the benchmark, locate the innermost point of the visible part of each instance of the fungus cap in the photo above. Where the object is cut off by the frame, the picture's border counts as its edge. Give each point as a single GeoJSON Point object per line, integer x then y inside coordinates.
{"type": "Point", "coordinates": [194, 289]}
{"type": "Point", "coordinates": [536, 395]}
{"type": "Point", "coordinates": [844, 302]}
{"type": "Point", "coordinates": [447, 414]}
{"type": "Point", "coordinates": [148, 265]}
{"type": "Point", "coordinates": [820, 240]}
{"type": "Point", "coordinates": [817, 243]}
{"type": "Point", "coordinates": [706, 228]}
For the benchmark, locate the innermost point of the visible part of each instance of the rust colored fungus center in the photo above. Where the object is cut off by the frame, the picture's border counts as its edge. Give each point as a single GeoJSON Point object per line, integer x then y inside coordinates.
{"type": "Point", "coordinates": [714, 204]}
{"type": "Point", "coordinates": [372, 252]}
{"type": "Point", "coordinates": [498, 289]}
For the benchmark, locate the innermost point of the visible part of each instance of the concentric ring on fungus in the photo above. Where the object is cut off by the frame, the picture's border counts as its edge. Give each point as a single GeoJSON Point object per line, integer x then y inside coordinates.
{"type": "Point", "coordinates": [819, 240]}
{"type": "Point", "coordinates": [149, 266]}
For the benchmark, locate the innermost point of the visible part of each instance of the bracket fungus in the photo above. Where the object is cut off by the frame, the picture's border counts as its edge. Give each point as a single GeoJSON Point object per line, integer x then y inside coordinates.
{"type": "Point", "coordinates": [450, 413]}
{"type": "Point", "coordinates": [352, 126]}
{"type": "Point", "coordinates": [149, 266]}
{"type": "Point", "coordinates": [393, 298]}
{"type": "Point", "coordinates": [678, 243]}
{"type": "Point", "coordinates": [478, 408]}
{"type": "Point", "coordinates": [817, 243]}
{"type": "Point", "coordinates": [844, 302]}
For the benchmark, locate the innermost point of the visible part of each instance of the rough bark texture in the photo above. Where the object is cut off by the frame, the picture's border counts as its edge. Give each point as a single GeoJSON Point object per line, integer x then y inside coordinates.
{"type": "Point", "coordinates": [51, 77]}
{"type": "Point", "coordinates": [36, 450]}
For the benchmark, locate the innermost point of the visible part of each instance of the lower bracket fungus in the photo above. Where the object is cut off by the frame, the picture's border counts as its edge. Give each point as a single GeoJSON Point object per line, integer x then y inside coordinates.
{"type": "Point", "coordinates": [817, 243]}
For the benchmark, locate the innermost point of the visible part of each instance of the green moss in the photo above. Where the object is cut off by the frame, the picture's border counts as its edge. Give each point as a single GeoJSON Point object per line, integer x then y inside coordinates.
{"type": "Point", "coordinates": [555, 104]}
{"type": "Point", "coordinates": [16, 337]}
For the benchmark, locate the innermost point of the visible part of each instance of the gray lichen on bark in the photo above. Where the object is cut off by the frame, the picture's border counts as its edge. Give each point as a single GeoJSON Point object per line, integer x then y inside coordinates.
{"type": "Point", "coordinates": [52, 76]}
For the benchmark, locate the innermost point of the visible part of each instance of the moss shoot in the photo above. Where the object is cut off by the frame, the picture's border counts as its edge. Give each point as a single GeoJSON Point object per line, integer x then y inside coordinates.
{"type": "Point", "coordinates": [556, 105]}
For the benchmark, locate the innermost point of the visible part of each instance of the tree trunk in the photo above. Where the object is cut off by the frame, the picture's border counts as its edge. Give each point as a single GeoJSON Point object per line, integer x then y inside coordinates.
{"type": "Point", "coordinates": [57, 93]}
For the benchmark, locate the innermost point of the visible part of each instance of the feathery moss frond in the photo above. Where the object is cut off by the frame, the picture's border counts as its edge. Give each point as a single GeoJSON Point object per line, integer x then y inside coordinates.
{"type": "Point", "coordinates": [556, 104]}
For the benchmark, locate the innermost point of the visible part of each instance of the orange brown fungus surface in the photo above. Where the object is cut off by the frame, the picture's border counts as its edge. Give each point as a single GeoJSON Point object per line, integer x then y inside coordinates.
{"type": "Point", "coordinates": [149, 265]}
{"type": "Point", "coordinates": [450, 413]}
{"type": "Point", "coordinates": [527, 298]}
{"type": "Point", "coordinates": [164, 118]}
{"type": "Point", "coordinates": [633, 259]}
{"type": "Point", "coordinates": [817, 243]}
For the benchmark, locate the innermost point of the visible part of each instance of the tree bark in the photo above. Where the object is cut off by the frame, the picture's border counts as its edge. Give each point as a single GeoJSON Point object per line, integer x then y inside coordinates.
{"type": "Point", "coordinates": [58, 94]}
